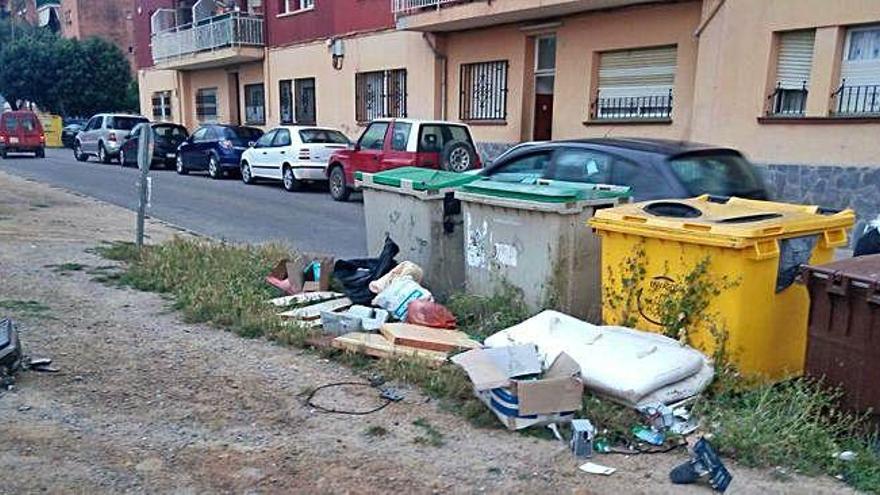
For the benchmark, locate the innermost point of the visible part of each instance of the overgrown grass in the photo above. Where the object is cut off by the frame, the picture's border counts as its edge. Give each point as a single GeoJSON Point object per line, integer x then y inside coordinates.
{"type": "Point", "coordinates": [25, 309]}
{"type": "Point", "coordinates": [796, 425]}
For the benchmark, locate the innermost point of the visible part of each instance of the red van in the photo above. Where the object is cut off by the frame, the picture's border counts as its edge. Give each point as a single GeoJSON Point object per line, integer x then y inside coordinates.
{"type": "Point", "coordinates": [21, 132]}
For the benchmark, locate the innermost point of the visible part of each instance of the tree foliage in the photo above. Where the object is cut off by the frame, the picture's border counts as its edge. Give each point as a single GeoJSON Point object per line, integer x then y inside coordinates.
{"type": "Point", "coordinates": [64, 76]}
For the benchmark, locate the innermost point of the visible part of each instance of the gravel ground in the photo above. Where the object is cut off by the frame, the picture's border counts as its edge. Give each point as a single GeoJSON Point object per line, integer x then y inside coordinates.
{"type": "Point", "coordinates": [147, 403]}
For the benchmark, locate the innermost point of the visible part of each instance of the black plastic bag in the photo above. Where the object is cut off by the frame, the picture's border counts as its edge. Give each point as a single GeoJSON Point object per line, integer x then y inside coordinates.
{"type": "Point", "coordinates": [356, 275]}
{"type": "Point", "coordinates": [869, 243]}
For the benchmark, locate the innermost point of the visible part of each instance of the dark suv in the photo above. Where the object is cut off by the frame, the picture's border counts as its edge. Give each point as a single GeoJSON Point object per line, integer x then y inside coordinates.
{"type": "Point", "coordinates": [216, 148]}
{"type": "Point", "coordinates": [653, 168]}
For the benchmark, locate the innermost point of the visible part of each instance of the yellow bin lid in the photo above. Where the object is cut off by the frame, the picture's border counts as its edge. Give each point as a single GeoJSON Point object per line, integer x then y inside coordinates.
{"type": "Point", "coordinates": [733, 222]}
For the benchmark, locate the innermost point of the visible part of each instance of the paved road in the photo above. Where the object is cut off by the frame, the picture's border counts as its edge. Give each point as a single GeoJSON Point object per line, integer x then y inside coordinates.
{"type": "Point", "coordinates": [226, 209]}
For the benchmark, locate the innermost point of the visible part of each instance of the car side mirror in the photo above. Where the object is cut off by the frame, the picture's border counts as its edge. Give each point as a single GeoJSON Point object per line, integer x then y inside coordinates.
{"type": "Point", "coordinates": [252, 144]}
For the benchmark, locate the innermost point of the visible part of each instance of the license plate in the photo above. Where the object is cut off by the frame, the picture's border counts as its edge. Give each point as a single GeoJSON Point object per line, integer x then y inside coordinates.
{"type": "Point", "coordinates": [170, 155]}
{"type": "Point", "coordinates": [13, 140]}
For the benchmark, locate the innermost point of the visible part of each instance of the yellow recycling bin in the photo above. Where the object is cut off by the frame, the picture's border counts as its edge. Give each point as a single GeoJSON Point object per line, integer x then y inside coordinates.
{"type": "Point", "coordinates": [52, 125]}
{"type": "Point", "coordinates": [729, 265]}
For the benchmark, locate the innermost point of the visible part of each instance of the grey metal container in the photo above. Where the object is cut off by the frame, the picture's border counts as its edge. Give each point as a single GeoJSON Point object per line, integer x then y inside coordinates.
{"type": "Point", "coordinates": [536, 238]}
{"type": "Point", "coordinates": [425, 222]}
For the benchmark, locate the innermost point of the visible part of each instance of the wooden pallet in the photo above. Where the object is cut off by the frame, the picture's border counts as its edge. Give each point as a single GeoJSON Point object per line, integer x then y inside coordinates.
{"type": "Point", "coordinates": [372, 344]}
{"type": "Point", "coordinates": [432, 339]}
{"type": "Point", "coordinates": [313, 312]}
{"type": "Point", "coordinates": [303, 298]}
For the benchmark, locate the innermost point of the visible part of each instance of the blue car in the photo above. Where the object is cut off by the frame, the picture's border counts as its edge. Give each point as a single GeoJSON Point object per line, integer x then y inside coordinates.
{"type": "Point", "coordinates": [216, 148]}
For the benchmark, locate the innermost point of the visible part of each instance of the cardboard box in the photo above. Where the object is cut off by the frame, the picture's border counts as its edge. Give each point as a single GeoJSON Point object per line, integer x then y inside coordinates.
{"type": "Point", "coordinates": [290, 275]}
{"type": "Point", "coordinates": [512, 383]}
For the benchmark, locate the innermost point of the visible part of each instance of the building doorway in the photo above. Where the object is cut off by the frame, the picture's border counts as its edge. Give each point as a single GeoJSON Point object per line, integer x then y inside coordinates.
{"type": "Point", "coordinates": [545, 79]}
{"type": "Point", "coordinates": [234, 99]}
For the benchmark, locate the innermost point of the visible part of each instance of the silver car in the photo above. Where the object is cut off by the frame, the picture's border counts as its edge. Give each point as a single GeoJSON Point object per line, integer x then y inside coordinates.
{"type": "Point", "coordinates": [103, 136]}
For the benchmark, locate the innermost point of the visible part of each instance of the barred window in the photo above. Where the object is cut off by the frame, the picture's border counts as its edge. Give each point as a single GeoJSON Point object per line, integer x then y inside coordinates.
{"type": "Point", "coordinates": [484, 91]}
{"type": "Point", "coordinates": [162, 106]}
{"type": "Point", "coordinates": [254, 104]}
{"type": "Point", "coordinates": [306, 111]}
{"type": "Point", "coordinates": [206, 105]}
{"type": "Point", "coordinates": [380, 94]}
{"type": "Point", "coordinates": [285, 98]}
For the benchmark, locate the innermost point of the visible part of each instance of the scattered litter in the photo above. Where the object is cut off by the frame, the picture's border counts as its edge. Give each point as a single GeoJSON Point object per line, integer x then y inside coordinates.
{"type": "Point", "coordinates": [391, 394]}
{"type": "Point", "coordinates": [375, 345]}
{"type": "Point", "coordinates": [356, 319]}
{"type": "Point", "coordinates": [845, 456]}
{"type": "Point", "coordinates": [356, 275]}
{"type": "Point", "coordinates": [430, 314]}
{"type": "Point", "coordinates": [649, 435]}
{"type": "Point", "coordinates": [659, 416]}
{"type": "Point", "coordinates": [628, 366]}
{"type": "Point", "coordinates": [386, 397]}
{"type": "Point", "coordinates": [582, 434]}
{"type": "Point", "coordinates": [303, 298]}
{"type": "Point", "coordinates": [594, 468]}
{"type": "Point", "coordinates": [704, 463]}
{"type": "Point", "coordinates": [404, 269]}
{"type": "Point", "coordinates": [399, 294]}
{"type": "Point", "coordinates": [509, 381]}
{"type": "Point", "coordinates": [10, 353]}
{"type": "Point", "coordinates": [304, 274]}
{"type": "Point", "coordinates": [555, 429]}
{"type": "Point", "coordinates": [432, 339]}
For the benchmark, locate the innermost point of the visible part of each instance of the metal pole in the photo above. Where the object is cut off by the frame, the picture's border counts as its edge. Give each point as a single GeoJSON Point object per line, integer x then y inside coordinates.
{"type": "Point", "coordinates": [145, 157]}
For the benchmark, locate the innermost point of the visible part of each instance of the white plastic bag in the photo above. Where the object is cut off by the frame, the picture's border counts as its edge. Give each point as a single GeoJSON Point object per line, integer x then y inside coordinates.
{"type": "Point", "coordinates": [404, 269]}
{"type": "Point", "coordinates": [397, 296]}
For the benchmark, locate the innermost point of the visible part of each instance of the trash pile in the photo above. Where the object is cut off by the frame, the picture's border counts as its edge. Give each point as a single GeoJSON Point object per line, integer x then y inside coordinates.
{"type": "Point", "coordinates": [383, 311]}
{"type": "Point", "coordinates": [13, 359]}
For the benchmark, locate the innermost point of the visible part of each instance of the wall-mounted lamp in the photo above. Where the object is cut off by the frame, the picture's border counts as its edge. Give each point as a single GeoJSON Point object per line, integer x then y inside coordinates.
{"type": "Point", "coordinates": [337, 51]}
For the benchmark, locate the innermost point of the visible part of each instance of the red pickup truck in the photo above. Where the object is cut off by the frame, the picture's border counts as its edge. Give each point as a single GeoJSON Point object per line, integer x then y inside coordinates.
{"type": "Point", "coordinates": [392, 143]}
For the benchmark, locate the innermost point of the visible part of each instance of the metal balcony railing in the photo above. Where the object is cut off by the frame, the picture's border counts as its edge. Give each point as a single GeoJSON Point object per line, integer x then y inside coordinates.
{"type": "Point", "coordinates": [408, 7]}
{"type": "Point", "coordinates": [788, 102]}
{"type": "Point", "coordinates": [633, 107]}
{"type": "Point", "coordinates": [227, 30]}
{"type": "Point", "coordinates": [857, 100]}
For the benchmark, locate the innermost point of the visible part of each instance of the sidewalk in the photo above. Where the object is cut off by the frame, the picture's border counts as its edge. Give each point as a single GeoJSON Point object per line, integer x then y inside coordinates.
{"type": "Point", "coordinates": [147, 403]}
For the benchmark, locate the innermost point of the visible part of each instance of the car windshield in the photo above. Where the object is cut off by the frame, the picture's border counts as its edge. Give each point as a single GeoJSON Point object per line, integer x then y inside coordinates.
{"type": "Point", "coordinates": [174, 132]}
{"type": "Point", "coordinates": [242, 136]}
{"type": "Point", "coordinates": [126, 123]}
{"type": "Point", "coordinates": [322, 136]}
{"type": "Point", "coordinates": [723, 174]}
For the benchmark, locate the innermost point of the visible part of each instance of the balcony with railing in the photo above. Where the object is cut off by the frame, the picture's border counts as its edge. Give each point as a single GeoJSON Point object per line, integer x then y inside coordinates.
{"type": "Point", "coordinates": [452, 15]}
{"type": "Point", "coordinates": [856, 101]}
{"type": "Point", "coordinates": [788, 101]}
{"type": "Point", "coordinates": [656, 107]}
{"type": "Point", "coordinates": [214, 38]}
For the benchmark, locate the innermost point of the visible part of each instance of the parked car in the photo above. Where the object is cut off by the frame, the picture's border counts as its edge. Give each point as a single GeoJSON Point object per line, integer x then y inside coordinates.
{"type": "Point", "coordinates": [103, 135]}
{"type": "Point", "coordinates": [216, 148]}
{"type": "Point", "coordinates": [167, 138]}
{"type": "Point", "coordinates": [653, 168]}
{"type": "Point", "coordinates": [391, 143]}
{"type": "Point", "coordinates": [292, 154]}
{"type": "Point", "coordinates": [70, 128]}
{"type": "Point", "coordinates": [21, 132]}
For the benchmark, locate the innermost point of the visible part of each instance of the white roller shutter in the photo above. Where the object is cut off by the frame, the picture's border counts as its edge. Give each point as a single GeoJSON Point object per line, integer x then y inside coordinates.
{"type": "Point", "coordinates": [637, 73]}
{"type": "Point", "coordinates": [795, 58]}
{"type": "Point", "coordinates": [861, 65]}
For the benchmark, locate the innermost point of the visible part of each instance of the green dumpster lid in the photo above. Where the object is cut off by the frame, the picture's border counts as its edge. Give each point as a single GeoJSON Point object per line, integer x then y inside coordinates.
{"type": "Point", "coordinates": [421, 179]}
{"type": "Point", "coordinates": [547, 191]}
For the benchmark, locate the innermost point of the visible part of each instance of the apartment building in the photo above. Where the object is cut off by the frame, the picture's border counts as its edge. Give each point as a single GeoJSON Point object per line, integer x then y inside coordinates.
{"type": "Point", "coordinates": [112, 20]}
{"type": "Point", "coordinates": [337, 63]}
{"type": "Point", "coordinates": [795, 84]}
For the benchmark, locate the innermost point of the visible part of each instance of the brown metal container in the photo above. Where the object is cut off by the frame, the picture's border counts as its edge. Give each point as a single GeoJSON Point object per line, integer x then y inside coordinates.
{"type": "Point", "coordinates": [843, 343]}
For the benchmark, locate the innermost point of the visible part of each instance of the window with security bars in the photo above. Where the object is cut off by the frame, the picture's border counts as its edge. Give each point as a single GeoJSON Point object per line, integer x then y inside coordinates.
{"type": "Point", "coordinates": [306, 111]}
{"type": "Point", "coordinates": [636, 84]}
{"type": "Point", "coordinates": [162, 106]}
{"type": "Point", "coordinates": [484, 91]}
{"type": "Point", "coordinates": [859, 90]}
{"type": "Point", "coordinates": [206, 105]}
{"type": "Point", "coordinates": [380, 94]}
{"type": "Point", "coordinates": [285, 98]}
{"type": "Point", "coordinates": [794, 61]}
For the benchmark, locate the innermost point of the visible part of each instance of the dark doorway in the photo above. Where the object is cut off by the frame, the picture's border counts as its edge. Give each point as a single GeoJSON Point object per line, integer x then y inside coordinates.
{"type": "Point", "coordinates": [545, 79]}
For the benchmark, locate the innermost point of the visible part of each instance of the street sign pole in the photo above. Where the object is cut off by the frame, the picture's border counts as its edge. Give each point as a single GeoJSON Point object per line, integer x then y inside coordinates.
{"type": "Point", "coordinates": [144, 157]}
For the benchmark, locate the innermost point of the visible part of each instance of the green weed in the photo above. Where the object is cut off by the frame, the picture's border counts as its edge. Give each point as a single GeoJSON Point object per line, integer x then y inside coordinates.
{"type": "Point", "coordinates": [21, 308]}
{"type": "Point", "coordinates": [482, 316]}
{"type": "Point", "coordinates": [376, 431]}
{"type": "Point", "coordinates": [66, 268]}
{"type": "Point", "coordinates": [431, 437]}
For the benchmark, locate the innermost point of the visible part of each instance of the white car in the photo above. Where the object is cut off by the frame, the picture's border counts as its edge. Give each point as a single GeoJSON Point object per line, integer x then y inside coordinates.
{"type": "Point", "coordinates": [293, 155]}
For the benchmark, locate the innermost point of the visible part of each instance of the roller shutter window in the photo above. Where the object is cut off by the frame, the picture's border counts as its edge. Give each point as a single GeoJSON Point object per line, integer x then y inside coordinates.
{"type": "Point", "coordinates": [859, 91]}
{"type": "Point", "coordinates": [793, 65]}
{"type": "Point", "coordinates": [636, 84]}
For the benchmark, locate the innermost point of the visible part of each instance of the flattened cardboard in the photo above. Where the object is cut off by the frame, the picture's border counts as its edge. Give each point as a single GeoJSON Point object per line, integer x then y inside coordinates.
{"type": "Point", "coordinates": [432, 339]}
{"type": "Point", "coordinates": [493, 367]}
{"type": "Point", "coordinates": [549, 395]}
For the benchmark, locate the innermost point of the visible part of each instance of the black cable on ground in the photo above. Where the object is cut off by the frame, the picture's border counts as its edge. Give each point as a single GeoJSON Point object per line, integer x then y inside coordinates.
{"type": "Point", "coordinates": [344, 411]}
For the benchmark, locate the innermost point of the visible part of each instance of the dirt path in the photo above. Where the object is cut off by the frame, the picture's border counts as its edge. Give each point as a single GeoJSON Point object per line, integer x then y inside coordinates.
{"type": "Point", "coordinates": [147, 403]}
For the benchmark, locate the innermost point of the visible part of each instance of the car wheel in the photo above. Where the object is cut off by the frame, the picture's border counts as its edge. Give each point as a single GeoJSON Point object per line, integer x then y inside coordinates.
{"type": "Point", "coordinates": [78, 153]}
{"type": "Point", "coordinates": [246, 175]}
{"type": "Point", "coordinates": [214, 168]}
{"type": "Point", "coordinates": [103, 157]}
{"type": "Point", "coordinates": [3, 154]}
{"type": "Point", "coordinates": [289, 180]}
{"type": "Point", "coordinates": [339, 190]}
{"type": "Point", "coordinates": [41, 153]}
{"type": "Point", "coordinates": [181, 168]}
{"type": "Point", "coordinates": [458, 156]}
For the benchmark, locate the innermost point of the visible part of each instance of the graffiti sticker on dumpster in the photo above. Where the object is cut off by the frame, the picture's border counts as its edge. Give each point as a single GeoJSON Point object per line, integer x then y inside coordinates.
{"type": "Point", "coordinates": [652, 296]}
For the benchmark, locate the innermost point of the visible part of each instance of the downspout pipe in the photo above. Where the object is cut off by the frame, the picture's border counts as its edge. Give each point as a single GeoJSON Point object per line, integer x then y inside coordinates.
{"type": "Point", "coordinates": [431, 40]}
{"type": "Point", "coordinates": [703, 25]}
